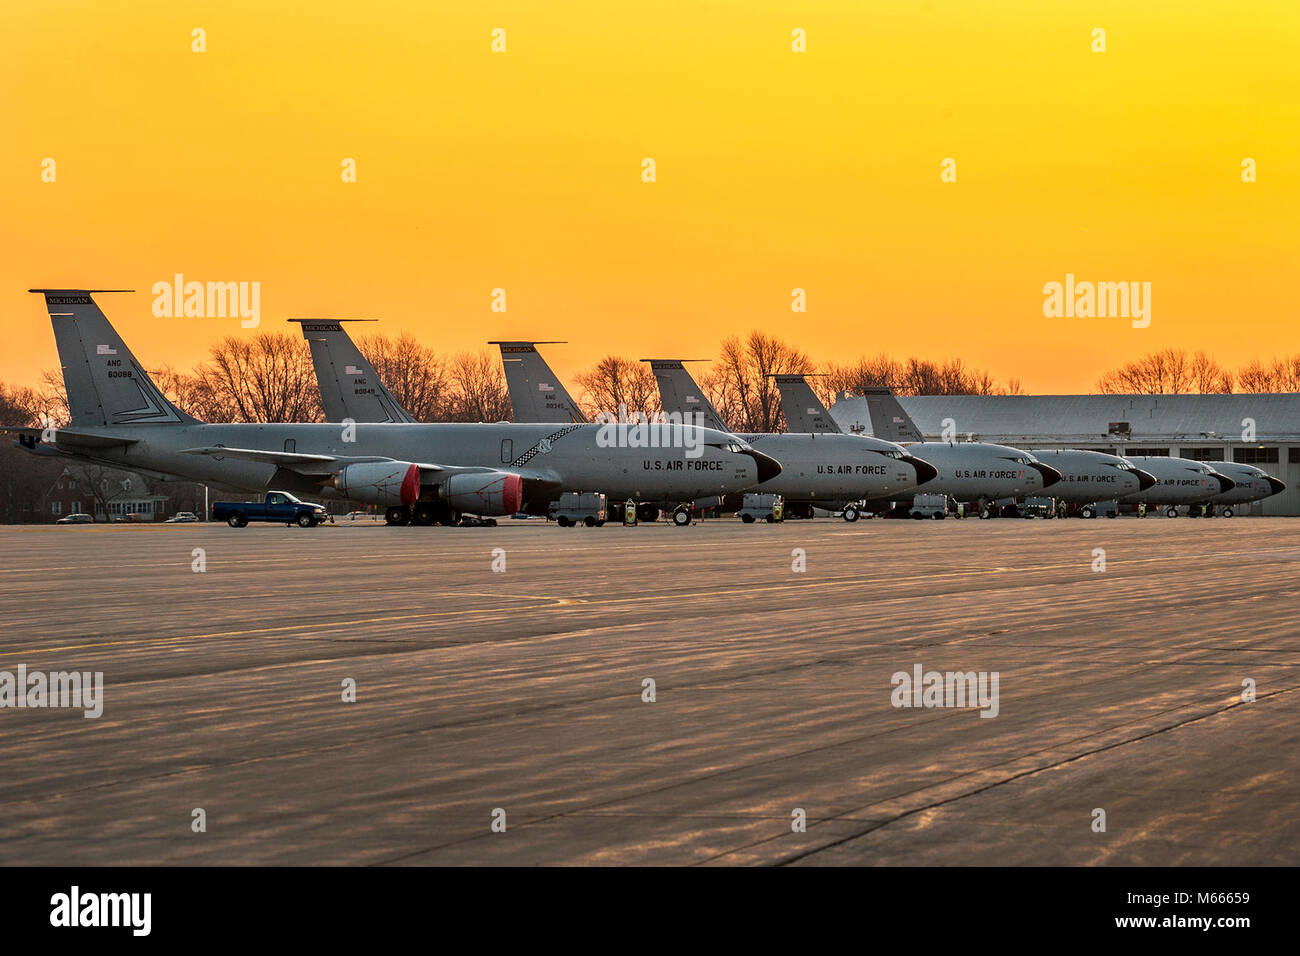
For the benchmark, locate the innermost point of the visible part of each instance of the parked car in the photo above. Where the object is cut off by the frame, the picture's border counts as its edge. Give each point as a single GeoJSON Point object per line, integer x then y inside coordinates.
{"type": "Point", "coordinates": [278, 506]}
{"type": "Point", "coordinates": [77, 518]}
{"type": "Point", "coordinates": [183, 517]}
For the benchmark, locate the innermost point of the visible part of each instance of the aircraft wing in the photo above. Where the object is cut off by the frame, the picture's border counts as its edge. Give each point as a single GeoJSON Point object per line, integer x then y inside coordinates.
{"type": "Point", "coordinates": [306, 464]}
{"type": "Point", "coordinates": [296, 461]}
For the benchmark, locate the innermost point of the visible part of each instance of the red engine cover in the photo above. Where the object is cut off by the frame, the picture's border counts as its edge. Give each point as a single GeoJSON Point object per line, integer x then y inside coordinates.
{"type": "Point", "coordinates": [411, 485]}
{"type": "Point", "coordinates": [512, 493]}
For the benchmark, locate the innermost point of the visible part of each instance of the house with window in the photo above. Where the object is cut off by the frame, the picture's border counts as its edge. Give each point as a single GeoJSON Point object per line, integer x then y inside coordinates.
{"type": "Point", "coordinates": [110, 494]}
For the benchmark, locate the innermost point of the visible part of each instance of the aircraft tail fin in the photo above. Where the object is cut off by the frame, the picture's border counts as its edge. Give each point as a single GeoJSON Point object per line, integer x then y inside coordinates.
{"type": "Point", "coordinates": [349, 385]}
{"type": "Point", "coordinates": [104, 382]}
{"type": "Point", "coordinates": [678, 392]}
{"type": "Point", "coordinates": [888, 420]}
{"type": "Point", "coordinates": [804, 411]}
{"type": "Point", "coordinates": [535, 392]}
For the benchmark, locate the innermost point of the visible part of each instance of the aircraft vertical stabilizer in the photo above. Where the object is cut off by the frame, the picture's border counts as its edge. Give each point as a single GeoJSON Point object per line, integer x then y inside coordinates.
{"type": "Point", "coordinates": [679, 393]}
{"type": "Point", "coordinates": [535, 392]}
{"type": "Point", "coordinates": [888, 420]}
{"type": "Point", "coordinates": [350, 388]}
{"type": "Point", "coordinates": [804, 411]}
{"type": "Point", "coordinates": [104, 382]}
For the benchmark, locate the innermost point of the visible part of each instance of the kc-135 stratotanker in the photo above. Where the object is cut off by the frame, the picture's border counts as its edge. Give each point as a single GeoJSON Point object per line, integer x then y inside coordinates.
{"type": "Point", "coordinates": [119, 417]}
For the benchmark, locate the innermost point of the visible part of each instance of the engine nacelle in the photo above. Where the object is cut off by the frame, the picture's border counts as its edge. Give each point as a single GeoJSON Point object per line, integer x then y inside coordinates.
{"type": "Point", "coordinates": [484, 492]}
{"type": "Point", "coordinates": [380, 482]}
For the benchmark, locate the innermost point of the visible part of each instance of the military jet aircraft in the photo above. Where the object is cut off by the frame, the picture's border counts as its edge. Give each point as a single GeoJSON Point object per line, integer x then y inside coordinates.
{"type": "Point", "coordinates": [968, 471]}
{"type": "Point", "coordinates": [425, 473]}
{"type": "Point", "coordinates": [1088, 477]}
{"type": "Point", "coordinates": [1179, 481]}
{"type": "Point", "coordinates": [822, 469]}
{"type": "Point", "coordinates": [1249, 484]}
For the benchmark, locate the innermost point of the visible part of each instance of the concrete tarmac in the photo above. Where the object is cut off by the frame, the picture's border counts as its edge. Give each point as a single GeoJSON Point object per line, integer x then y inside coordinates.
{"type": "Point", "coordinates": [522, 691]}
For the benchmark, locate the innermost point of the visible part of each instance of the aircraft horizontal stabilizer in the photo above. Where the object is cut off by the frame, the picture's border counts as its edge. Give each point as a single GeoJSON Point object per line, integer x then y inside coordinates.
{"type": "Point", "coordinates": [70, 436]}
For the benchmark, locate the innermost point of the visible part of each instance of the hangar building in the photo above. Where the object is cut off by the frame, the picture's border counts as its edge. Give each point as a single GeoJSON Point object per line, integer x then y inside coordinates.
{"type": "Point", "coordinates": [1262, 430]}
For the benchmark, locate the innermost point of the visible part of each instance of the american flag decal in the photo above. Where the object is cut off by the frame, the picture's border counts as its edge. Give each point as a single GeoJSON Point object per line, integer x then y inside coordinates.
{"type": "Point", "coordinates": [104, 350]}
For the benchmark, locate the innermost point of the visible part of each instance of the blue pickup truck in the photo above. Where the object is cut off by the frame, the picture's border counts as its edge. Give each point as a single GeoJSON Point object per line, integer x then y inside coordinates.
{"type": "Point", "coordinates": [278, 506]}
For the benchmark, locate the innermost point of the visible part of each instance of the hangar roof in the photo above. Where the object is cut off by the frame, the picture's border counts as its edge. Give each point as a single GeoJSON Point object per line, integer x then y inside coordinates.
{"type": "Point", "coordinates": [1004, 418]}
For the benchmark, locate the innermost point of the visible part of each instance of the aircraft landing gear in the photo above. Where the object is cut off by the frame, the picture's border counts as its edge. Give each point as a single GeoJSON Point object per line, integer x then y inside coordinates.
{"type": "Point", "coordinates": [851, 513]}
{"type": "Point", "coordinates": [647, 513]}
{"type": "Point", "coordinates": [1171, 512]}
{"type": "Point", "coordinates": [1226, 513]}
{"type": "Point", "coordinates": [1087, 511]}
{"type": "Point", "coordinates": [424, 514]}
{"type": "Point", "coordinates": [397, 515]}
{"type": "Point", "coordinates": [682, 517]}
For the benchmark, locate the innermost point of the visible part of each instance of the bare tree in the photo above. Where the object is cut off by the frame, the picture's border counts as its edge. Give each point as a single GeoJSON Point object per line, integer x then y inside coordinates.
{"type": "Point", "coordinates": [615, 382]}
{"type": "Point", "coordinates": [1167, 372]}
{"type": "Point", "coordinates": [24, 477]}
{"type": "Point", "coordinates": [415, 374]}
{"type": "Point", "coordinates": [740, 385]}
{"type": "Point", "coordinates": [1276, 375]}
{"type": "Point", "coordinates": [52, 396]}
{"type": "Point", "coordinates": [912, 376]}
{"type": "Point", "coordinates": [98, 481]}
{"type": "Point", "coordinates": [265, 378]}
{"type": "Point", "coordinates": [478, 388]}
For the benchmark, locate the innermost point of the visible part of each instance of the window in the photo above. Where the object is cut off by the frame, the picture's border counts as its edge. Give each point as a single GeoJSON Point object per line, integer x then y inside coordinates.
{"type": "Point", "coordinates": [1151, 452]}
{"type": "Point", "coordinates": [1201, 454]}
{"type": "Point", "coordinates": [276, 500]}
{"type": "Point", "coordinates": [56, 507]}
{"type": "Point", "coordinates": [1255, 456]}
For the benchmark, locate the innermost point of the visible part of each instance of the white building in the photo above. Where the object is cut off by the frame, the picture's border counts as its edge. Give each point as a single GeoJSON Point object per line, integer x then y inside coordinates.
{"type": "Point", "coordinates": [1262, 430]}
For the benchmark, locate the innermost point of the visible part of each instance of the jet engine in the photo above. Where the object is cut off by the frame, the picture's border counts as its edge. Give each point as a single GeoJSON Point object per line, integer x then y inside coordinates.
{"type": "Point", "coordinates": [484, 492]}
{"type": "Point", "coordinates": [380, 482]}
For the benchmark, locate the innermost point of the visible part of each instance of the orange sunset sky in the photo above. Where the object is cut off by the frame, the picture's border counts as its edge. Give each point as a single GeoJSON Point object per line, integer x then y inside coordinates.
{"type": "Point", "coordinates": [775, 170]}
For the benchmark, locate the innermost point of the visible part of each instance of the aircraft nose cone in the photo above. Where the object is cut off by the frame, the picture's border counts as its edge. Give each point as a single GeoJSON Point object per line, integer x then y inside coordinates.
{"type": "Point", "coordinates": [1145, 479]}
{"type": "Point", "coordinates": [1277, 486]}
{"type": "Point", "coordinates": [924, 470]}
{"type": "Point", "coordinates": [1225, 483]}
{"type": "Point", "coordinates": [1050, 475]}
{"type": "Point", "coordinates": [768, 467]}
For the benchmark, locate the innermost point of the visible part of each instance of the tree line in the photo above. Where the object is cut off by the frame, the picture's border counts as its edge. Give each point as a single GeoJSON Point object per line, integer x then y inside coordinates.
{"type": "Point", "coordinates": [1176, 372]}
{"type": "Point", "coordinates": [268, 377]}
